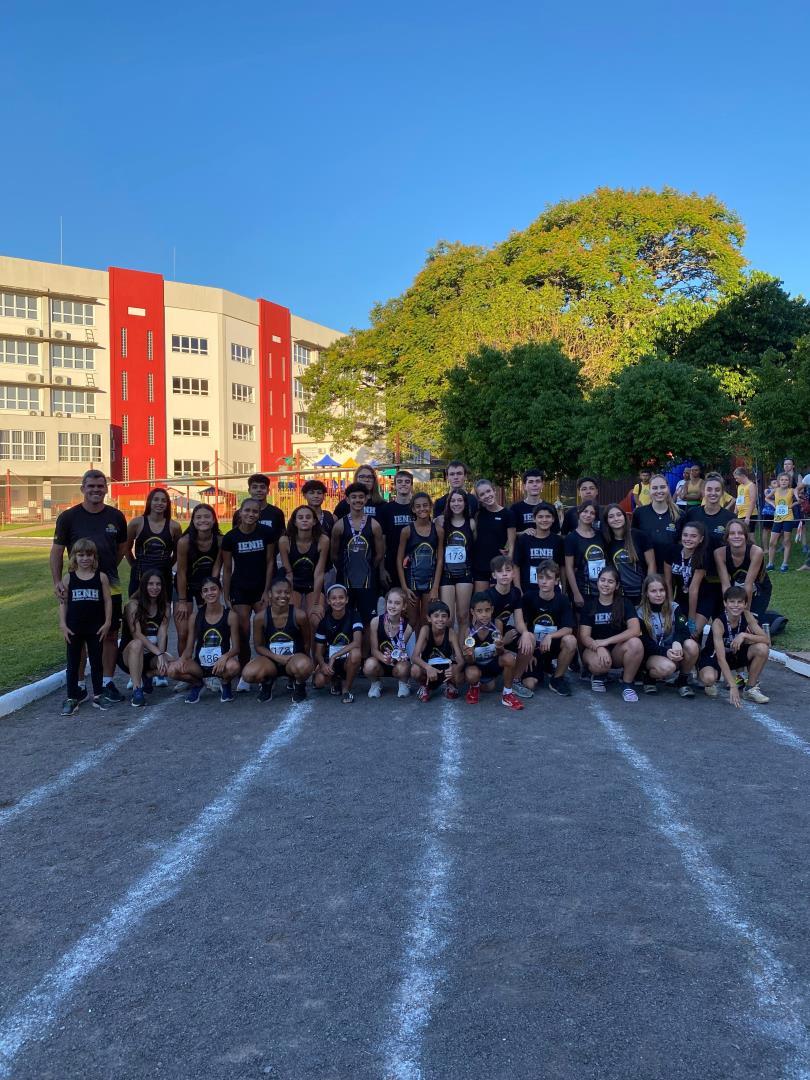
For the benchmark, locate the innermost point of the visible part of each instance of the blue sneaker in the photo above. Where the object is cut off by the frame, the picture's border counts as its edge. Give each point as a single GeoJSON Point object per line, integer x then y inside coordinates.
{"type": "Point", "coordinates": [225, 692]}
{"type": "Point", "coordinates": [193, 696]}
{"type": "Point", "coordinates": [138, 698]}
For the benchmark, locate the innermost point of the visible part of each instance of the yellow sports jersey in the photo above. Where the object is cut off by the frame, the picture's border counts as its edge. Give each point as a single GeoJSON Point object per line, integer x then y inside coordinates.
{"type": "Point", "coordinates": [641, 494]}
{"type": "Point", "coordinates": [783, 499]}
{"type": "Point", "coordinates": [743, 501]}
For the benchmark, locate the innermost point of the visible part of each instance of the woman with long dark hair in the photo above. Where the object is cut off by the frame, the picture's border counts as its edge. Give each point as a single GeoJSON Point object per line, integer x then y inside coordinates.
{"type": "Point", "coordinates": [152, 538]}
{"type": "Point", "coordinates": [198, 557]}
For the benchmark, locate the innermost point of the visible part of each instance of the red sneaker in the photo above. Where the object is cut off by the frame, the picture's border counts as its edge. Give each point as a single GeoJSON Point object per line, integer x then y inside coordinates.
{"type": "Point", "coordinates": [423, 694]}
{"type": "Point", "coordinates": [511, 701]}
{"type": "Point", "coordinates": [471, 697]}
{"type": "Point", "coordinates": [450, 692]}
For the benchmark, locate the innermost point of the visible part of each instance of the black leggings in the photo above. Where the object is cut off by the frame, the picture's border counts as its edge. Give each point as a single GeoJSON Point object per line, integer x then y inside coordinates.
{"type": "Point", "coordinates": [74, 652]}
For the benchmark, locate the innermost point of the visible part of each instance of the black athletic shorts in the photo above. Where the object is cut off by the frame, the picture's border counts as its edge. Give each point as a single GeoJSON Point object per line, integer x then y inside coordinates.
{"type": "Point", "coordinates": [736, 660]}
{"type": "Point", "coordinates": [117, 609]}
{"type": "Point", "coordinates": [246, 594]}
{"type": "Point", "coordinates": [364, 602]}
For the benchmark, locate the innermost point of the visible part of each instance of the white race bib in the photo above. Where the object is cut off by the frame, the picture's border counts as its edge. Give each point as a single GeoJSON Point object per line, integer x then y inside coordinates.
{"type": "Point", "coordinates": [595, 568]}
{"type": "Point", "coordinates": [455, 555]}
{"type": "Point", "coordinates": [541, 630]}
{"type": "Point", "coordinates": [334, 650]}
{"type": "Point", "coordinates": [532, 575]}
{"type": "Point", "coordinates": [209, 655]}
{"type": "Point", "coordinates": [439, 661]}
{"type": "Point", "coordinates": [484, 652]}
{"type": "Point", "coordinates": [781, 511]}
{"type": "Point", "coordinates": [281, 648]}
{"type": "Point", "coordinates": [741, 499]}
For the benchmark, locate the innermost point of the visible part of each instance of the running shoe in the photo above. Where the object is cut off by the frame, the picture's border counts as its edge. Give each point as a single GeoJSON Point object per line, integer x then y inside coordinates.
{"type": "Point", "coordinates": [375, 689]}
{"type": "Point", "coordinates": [512, 701]}
{"type": "Point", "coordinates": [520, 690]}
{"type": "Point", "coordinates": [69, 706]}
{"type": "Point", "coordinates": [193, 696]}
{"type": "Point", "coordinates": [783, 569]}
{"type": "Point", "coordinates": [711, 691]}
{"type": "Point", "coordinates": [650, 687]}
{"type": "Point", "coordinates": [472, 695]}
{"type": "Point", "coordinates": [160, 680]}
{"type": "Point", "coordinates": [559, 686]}
{"type": "Point", "coordinates": [685, 690]}
{"type": "Point", "coordinates": [629, 693]}
{"type": "Point", "coordinates": [226, 692]}
{"type": "Point", "coordinates": [102, 703]}
{"type": "Point", "coordinates": [299, 692]}
{"type": "Point", "coordinates": [112, 693]}
{"type": "Point", "coordinates": [243, 687]}
{"type": "Point", "coordinates": [347, 698]}
{"type": "Point", "coordinates": [403, 690]}
{"type": "Point", "coordinates": [451, 692]}
{"type": "Point", "coordinates": [335, 686]}
{"type": "Point", "coordinates": [753, 693]}
{"type": "Point", "coordinates": [423, 694]}
{"type": "Point", "coordinates": [265, 692]}
{"type": "Point", "coordinates": [598, 685]}
{"type": "Point", "coordinates": [770, 566]}
{"type": "Point", "coordinates": [138, 698]}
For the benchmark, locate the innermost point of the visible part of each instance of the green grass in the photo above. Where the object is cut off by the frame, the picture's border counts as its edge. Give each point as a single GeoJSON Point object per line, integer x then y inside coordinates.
{"type": "Point", "coordinates": [28, 530]}
{"type": "Point", "coordinates": [791, 597]}
{"type": "Point", "coordinates": [29, 625]}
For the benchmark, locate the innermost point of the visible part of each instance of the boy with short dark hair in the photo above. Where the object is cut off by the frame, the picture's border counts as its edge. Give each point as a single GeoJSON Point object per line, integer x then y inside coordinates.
{"type": "Point", "coordinates": [737, 641]}
{"type": "Point", "coordinates": [547, 610]}
{"type": "Point", "coordinates": [485, 655]}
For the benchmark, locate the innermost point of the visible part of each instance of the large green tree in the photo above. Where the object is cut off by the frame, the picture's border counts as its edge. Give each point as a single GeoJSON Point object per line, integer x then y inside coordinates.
{"type": "Point", "coordinates": [780, 407]}
{"type": "Point", "coordinates": [592, 274]}
{"type": "Point", "coordinates": [505, 411]}
{"type": "Point", "coordinates": [653, 413]}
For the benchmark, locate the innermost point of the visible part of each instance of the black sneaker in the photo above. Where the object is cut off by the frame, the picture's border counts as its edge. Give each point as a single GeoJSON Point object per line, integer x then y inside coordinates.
{"type": "Point", "coordinates": [265, 691]}
{"type": "Point", "coordinates": [83, 694]}
{"type": "Point", "coordinates": [69, 706]}
{"type": "Point", "coordinates": [559, 686]}
{"type": "Point", "coordinates": [112, 693]}
{"type": "Point", "coordinates": [299, 691]}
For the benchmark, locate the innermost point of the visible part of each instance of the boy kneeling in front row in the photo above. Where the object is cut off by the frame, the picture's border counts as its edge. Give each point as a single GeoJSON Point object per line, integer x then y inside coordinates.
{"type": "Point", "coordinates": [437, 658]}
{"type": "Point", "coordinates": [549, 617]}
{"type": "Point", "coordinates": [485, 656]}
{"type": "Point", "coordinates": [736, 641]}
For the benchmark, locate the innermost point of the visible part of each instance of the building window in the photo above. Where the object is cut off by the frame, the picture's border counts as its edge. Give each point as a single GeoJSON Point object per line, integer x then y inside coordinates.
{"type": "Point", "coordinates": [191, 467]}
{"type": "Point", "coordinates": [197, 346]}
{"type": "Point", "coordinates": [150, 430]}
{"type": "Point", "coordinates": [124, 386]}
{"type": "Point", "coordinates": [300, 354]}
{"type": "Point", "coordinates": [242, 354]}
{"type": "Point", "coordinates": [18, 352]}
{"type": "Point", "coordinates": [22, 445]}
{"type": "Point", "coordinates": [79, 446]}
{"type": "Point", "coordinates": [73, 356]}
{"type": "Point", "coordinates": [19, 397]}
{"type": "Point", "coordinates": [301, 423]}
{"type": "Point", "coordinates": [123, 341]}
{"type": "Point", "coordinates": [298, 389]}
{"type": "Point", "coordinates": [73, 401]}
{"type": "Point", "coordinates": [150, 387]}
{"type": "Point", "coordinates": [243, 468]}
{"type": "Point", "coordinates": [150, 344]}
{"type": "Point", "coordinates": [246, 432]}
{"type": "Point", "coordinates": [151, 476]}
{"type": "Point", "coordinates": [241, 392]}
{"type": "Point", "coordinates": [18, 305]}
{"type": "Point", "coordinates": [124, 429]}
{"type": "Point", "coordinates": [182, 385]}
{"type": "Point", "coordinates": [125, 470]}
{"type": "Point", "coordinates": [73, 311]}
{"type": "Point", "coordinates": [190, 427]}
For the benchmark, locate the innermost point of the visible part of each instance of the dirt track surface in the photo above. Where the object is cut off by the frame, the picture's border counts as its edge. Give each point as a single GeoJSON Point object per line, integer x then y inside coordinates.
{"type": "Point", "coordinates": [393, 889]}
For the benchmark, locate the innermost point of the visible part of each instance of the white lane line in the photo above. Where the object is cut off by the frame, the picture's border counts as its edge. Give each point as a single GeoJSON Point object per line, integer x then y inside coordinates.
{"type": "Point", "coordinates": [84, 764]}
{"type": "Point", "coordinates": [781, 1005]}
{"type": "Point", "coordinates": [431, 917]}
{"type": "Point", "coordinates": [781, 732]}
{"type": "Point", "coordinates": [39, 1008]}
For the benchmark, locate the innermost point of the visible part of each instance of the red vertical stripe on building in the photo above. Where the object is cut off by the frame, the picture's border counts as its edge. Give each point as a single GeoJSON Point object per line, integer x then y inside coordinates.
{"type": "Point", "coordinates": [275, 396]}
{"type": "Point", "coordinates": [142, 292]}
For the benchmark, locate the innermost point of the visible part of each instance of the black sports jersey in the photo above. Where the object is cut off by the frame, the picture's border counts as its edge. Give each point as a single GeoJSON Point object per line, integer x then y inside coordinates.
{"type": "Point", "coordinates": [484, 650]}
{"type": "Point", "coordinates": [199, 564]}
{"type": "Point", "coordinates": [391, 639]}
{"type": "Point", "coordinates": [571, 520]}
{"type": "Point", "coordinates": [530, 551]}
{"type": "Point", "coordinates": [590, 559]}
{"type": "Point", "coordinates": [335, 634]}
{"type": "Point", "coordinates": [524, 515]}
{"type": "Point", "coordinates": [546, 616]}
{"type": "Point", "coordinates": [285, 640]}
{"type": "Point", "coordinates": [85, 603]}
{"type": "Point", "coordinates": [437, 654]}
{"type": "Point", "coordinates": [211, 640]}
{"type": "Point", "coordinates": [661, 531]}
{"type": "Point", "coordinates": [682, 568]}
{"type": "Point", "coordinates": [420, 558]}
{"type": "Point", "coordinates": [654, 638]}
{"type": "Point", "coordinates": [303, 562]}
{"type": "Point", "coordinates": [393, 517]}
{"type": "Point", "coordinates": [459, 550]}
{"type": "Point", "coordinates": [249, 552]}
{"type": "Point", "coordinates": [632, 574]}
{"type": "Point", "coordinates": [271, 519]}
{"type": "Point", "coordinates": [150, 630]}
{"type": "Point", "coordinates": [107, 529]}
{"type": "Point", "coordinates": [504, 604]}
{"type": "Point", "coordinates": [153, 551]}
{"type": "Point", "coordinates": [714, 524]}
{"type": "Point", "coordinates": [372, 510]}
{"type": "Point", "coordinates": [355, 560]}
{"type": "Point", "coordinates": [600, 619]}
{"type": "Point", "coordinates": [492, 529]}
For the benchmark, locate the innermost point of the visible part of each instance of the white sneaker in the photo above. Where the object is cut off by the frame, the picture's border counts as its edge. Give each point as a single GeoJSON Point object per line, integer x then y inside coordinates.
{"type": "Point", "coordinates": [404, 690]}
{"type": "Point", "coordinates": [711, 690]}
{"type": "Point", "coordinates": [753, 693]}
{"type": "Point", "coordinates": [375, 689]}
{"type": "Point", "coordinates": [243, 687]}
{"type": "Point", "coordinates": [160, 680]}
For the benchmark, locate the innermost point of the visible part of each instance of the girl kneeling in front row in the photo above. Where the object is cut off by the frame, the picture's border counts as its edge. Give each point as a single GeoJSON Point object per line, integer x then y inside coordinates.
{"type": "Point", "coordinates": [668, 645]}
{"type": "Point", "coordinates": [436, 656]}
{"type": "Point", "coordinates": [389, 635]}
{"type": "Point", "coordinates": [142, 652]}
{"type": "Point", "coordinates": [284, 648]}
{"type": "Point", "coordinates": [338, 645]}
{"type": "Point", "coordinates": [610, 635]}
{"type": "Point", "coordinates": [212, 647]}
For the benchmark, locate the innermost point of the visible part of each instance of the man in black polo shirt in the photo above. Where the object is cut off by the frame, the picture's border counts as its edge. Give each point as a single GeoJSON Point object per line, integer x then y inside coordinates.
{"type": "Point", "coordinates": [271, 517]}
{"type": "Point", "coordinates": [93, 520]}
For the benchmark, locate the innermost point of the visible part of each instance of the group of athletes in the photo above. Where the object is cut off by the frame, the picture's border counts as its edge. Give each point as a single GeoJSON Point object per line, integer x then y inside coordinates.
{"type": "Point", "coordinates": [460, 592]}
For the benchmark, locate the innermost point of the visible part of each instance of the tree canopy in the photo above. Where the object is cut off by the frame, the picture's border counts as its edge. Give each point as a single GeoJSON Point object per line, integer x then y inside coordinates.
{"type": "Point", "coordinates": [780, 407]}
{"type": "Point", "coordinates": [593, 274]}
{"type": "Point", "coordinates": [505, 411]}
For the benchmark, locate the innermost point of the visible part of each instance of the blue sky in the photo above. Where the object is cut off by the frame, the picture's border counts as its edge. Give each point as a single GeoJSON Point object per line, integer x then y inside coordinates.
{"type": "Point", "coordinates": [312, 153]}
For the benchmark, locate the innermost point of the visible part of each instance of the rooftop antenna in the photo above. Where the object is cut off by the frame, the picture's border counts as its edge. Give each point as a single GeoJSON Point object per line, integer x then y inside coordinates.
{"type": "Point", "coordinates": [61, 260]}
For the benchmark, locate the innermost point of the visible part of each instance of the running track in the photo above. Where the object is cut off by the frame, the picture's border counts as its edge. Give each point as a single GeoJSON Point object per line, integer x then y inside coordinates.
{"type": "Point", "coordinates": [396, 890]}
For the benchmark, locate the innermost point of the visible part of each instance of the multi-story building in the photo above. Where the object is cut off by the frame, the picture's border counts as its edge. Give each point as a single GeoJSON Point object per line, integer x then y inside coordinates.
{"type": "Point", "coordinates": [151, 380]}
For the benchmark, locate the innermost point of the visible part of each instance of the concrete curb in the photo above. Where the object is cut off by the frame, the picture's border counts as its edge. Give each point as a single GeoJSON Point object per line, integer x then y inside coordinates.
{"type": "Point", "coordinates": [17, 699]}
{"type": "Point", "coordinates": [801, 667]}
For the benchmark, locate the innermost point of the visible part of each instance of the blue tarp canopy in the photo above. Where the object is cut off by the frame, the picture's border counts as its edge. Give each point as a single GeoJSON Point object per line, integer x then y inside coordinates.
{"type": "Point", "coordinates": [326, 462]}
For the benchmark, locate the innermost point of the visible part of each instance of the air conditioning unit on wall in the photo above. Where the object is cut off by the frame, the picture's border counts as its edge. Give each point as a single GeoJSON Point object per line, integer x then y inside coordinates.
{"type": "Point", "coordinates": [33, 331]}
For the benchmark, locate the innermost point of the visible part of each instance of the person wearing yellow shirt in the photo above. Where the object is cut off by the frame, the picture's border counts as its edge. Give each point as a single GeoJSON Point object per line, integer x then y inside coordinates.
{"type": "Point", "coordinates": [785, 505]}
{"type": "Point", "coordinates": [640, 493]}
{"type": "Point", "coordinates": [747, 495]}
